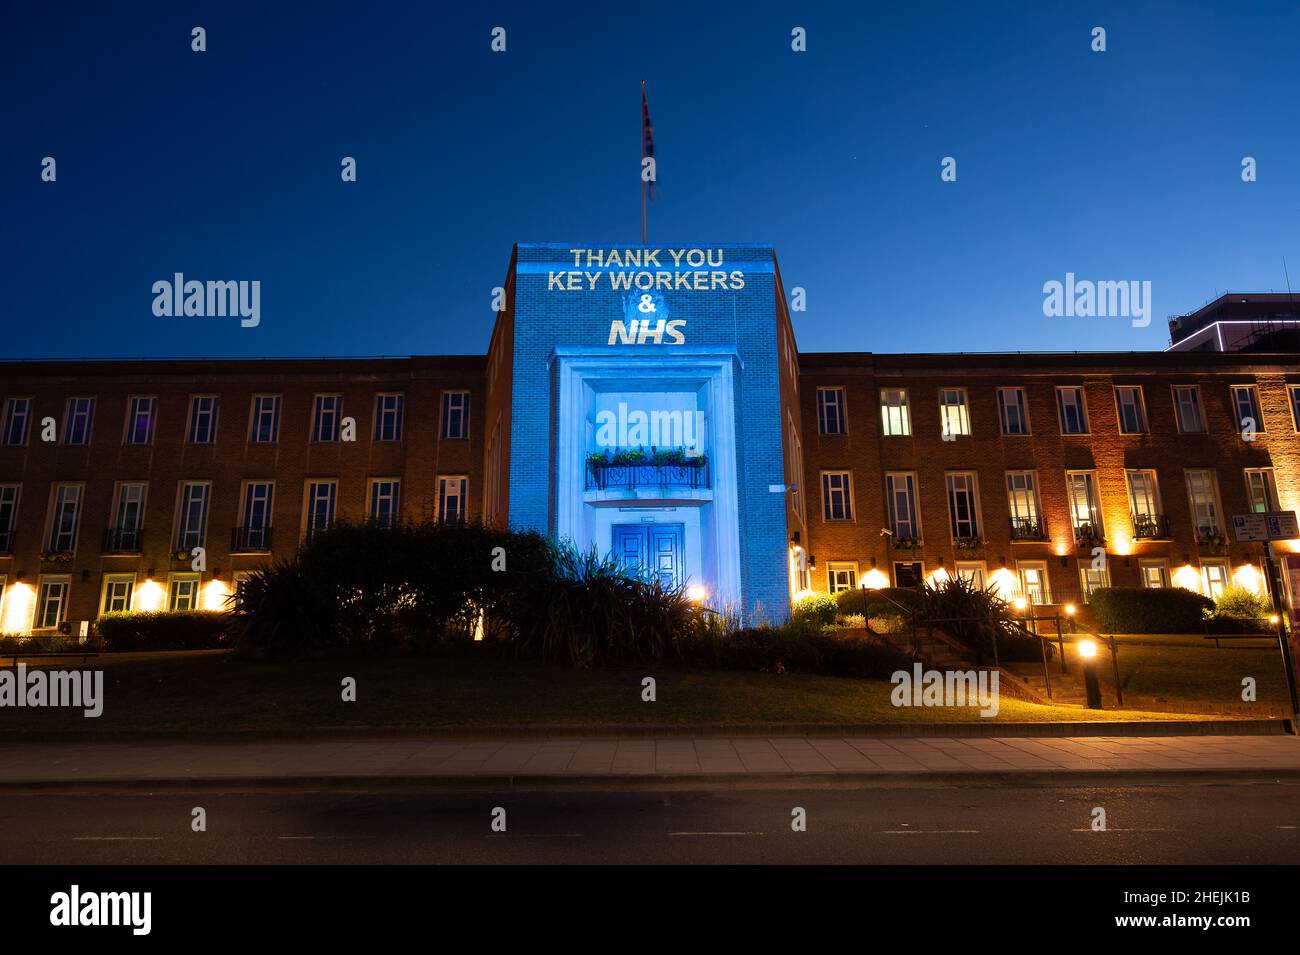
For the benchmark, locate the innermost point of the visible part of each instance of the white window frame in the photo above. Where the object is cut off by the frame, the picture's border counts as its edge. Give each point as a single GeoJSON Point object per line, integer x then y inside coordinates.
{"type": "Point", "coordinates": [1023, 502]}
{"type": "Point", "coordinates": [970, 480]}
{"type": "Point", "coordinates": [178, 582]}
{"type": "Point", "coordinates": [79, 407]}
{"type": "Point", "coordinates": [315, 492]}
{"type": "Point", "coordinates": [909, 490]}
{"type": "Point", "coordinates": [374, 494]}
{"type": "Point", "coordinates": [454, 401]}
{"type": "Point", "coordinates": [1093, 501]}
{"type": "Point", "coordinates": [1213, 508]}
{"type": "Point", "coordinates": [207, 408]}
{"type": "Point", "coordinates": [974, 571]}
{"type": "Point", "coordinates": [1267, 484]}
{"type": "Point", "coordinates": [62, 581]}
{"type": "Point", "coordinates": [1139, 406]}
{"type": "Point", "coordinates": [1256, 409]}
{"type": "Point", "coordinates": [264, 406]}
{"type": "Point", "coordinates": [1195, 404]}
{"type": "Point", "coordinates": [10, 497]}
{"type": "Point", "coordinates": [1021, 409]}
{"type": "Point", "coordinates": [12, 405]}
{"type": "Point", "coordinates": [63, 495]}
{"type": "Point", "coordinates": [1081, 405]}
{"type": "Point", "coordinates": [841, 567]}
{"type": "Point", "coordinates": [1211, 587]}
{"type": "Point", "coordinates": [832, 398]}
{"type": "Point", "coordinates": [954, 416]}
{"type": "Point", "coordinates": [1043, 596]}
{"type": "Point", "coordinates": [453, 487]}
{"type": "Point", "coordinates": [319, 413]}
{"type": "Point", "coordinates": [837, 494]}
{"type": "Point", "coordinates": [1087, 582]}
{"type": "Point", "coordinates": [1160, 566]}
{"type": "Point", "coordinates": [106, 598]}
{"type": "Point", "coordinates": [384, 411]}
{"type": "Point", "coordinates": [895, 413]}
{"type": "Point", "coordinates": [133, 408]}
{"type": "Point", "coordinates": [186, 537]}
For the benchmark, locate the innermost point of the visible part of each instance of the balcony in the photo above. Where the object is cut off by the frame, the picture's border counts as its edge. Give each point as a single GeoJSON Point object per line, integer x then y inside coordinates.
{"type": "Point", "coordinates": [250, 540]}
{"type": "Point", "coordinates": [1027, 529]}
{"type": "Point", "coordinates": [632, 470]}
{"type": "Point", "coordinates": [122, 540]}
{"type": "Point", "coordinates": [1150, 527]}
{"type": "Point", "coordinates": [1088, 534]}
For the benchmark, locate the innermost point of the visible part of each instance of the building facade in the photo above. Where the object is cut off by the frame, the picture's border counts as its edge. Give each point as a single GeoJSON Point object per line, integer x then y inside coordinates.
{"type": "Point", "coordinates": [651, 403]}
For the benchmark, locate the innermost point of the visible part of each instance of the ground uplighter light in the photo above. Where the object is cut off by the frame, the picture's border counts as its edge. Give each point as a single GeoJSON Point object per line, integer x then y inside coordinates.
{"type": "Point", "coordinates": [696, 594]}
{"type": "Point", "coordinates": [1088, 654]}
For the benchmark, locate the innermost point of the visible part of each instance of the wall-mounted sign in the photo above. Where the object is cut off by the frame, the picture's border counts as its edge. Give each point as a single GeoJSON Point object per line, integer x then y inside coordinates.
{"type": "Point", "coordinates": [1270, 526]}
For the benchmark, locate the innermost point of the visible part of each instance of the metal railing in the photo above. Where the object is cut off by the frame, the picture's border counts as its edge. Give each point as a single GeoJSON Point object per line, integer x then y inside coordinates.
{"type": "Point", "coordinates": [1027, 529]}
{"type": "Point", "coordinates": [1150, 527]}
{"type": "Point", "coordinates": [250, 539]}
{"type": "Point", "coordinates": [605, 475]}
{"type": "Point", "coordinates": [122, 540]}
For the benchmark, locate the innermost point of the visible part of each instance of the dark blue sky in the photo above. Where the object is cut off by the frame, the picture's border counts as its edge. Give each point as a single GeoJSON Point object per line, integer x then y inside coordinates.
{"type": "Point", "coordinates": [225, 164]}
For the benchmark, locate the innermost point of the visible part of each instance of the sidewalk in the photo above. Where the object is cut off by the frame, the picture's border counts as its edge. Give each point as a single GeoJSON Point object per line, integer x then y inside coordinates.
{"type": "Point", "coordinates": [492, 763]}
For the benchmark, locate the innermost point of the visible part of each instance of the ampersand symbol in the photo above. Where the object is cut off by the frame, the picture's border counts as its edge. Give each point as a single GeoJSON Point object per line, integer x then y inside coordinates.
{"type": "Point", "coordinates": [647, 305]}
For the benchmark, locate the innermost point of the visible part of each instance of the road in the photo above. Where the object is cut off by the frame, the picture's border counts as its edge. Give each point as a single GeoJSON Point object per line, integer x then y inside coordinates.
{"type": "Point", "coordinates": [1193, 824]}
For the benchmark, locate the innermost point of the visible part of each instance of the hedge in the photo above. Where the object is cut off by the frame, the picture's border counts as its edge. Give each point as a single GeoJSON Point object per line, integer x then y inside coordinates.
{"type": "Point", "coordinates": [1149, 610]}
{"type": "Point", "coordinates": [165, 630]}
{"type": "Point", "coordinates": [796, 648]}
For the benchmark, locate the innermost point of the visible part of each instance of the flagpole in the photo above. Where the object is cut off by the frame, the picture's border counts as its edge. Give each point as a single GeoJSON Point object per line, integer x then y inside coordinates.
{"type": "Point", "coordinates": [641, 173]}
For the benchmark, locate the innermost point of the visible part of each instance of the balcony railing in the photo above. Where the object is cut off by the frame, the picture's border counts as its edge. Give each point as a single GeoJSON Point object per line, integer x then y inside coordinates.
{"type": "Point", "coordinates": [122, 540]}
{"type": "Point", "coordinates": [691, 473]}
{"type": "Point", "coordinates": [1088, 533]}
{"type": "Point", "coordinates": [250, 539]}
{"type": "Point", "coordinates": [1027, 529]}
{"type": "Point", "coordinates": [1150, 527]}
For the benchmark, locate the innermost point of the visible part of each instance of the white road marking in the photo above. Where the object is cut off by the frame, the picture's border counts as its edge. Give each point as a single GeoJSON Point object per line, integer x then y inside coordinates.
{"type": "Point", "coordinates": [117, 838]}
{"type": "Point", "coordinates": [924, 832]}
{"type": "Point", "coordinates": [715, 833]}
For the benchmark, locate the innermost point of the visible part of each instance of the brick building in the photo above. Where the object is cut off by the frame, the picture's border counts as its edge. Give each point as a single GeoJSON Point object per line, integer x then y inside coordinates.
{"type": "Point", "coordinates": [650, 402]}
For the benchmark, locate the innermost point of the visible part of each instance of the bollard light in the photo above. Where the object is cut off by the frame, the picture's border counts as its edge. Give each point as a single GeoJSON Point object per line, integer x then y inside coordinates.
{"type": "Point", "coordinates": [1087, 650]}
{"type": "Point", "coordinates": [1019, 603]}
{"type": "Point", "coordinates": [1273, 619]}
{"type": "Point", "coordinates": [1070, 610]}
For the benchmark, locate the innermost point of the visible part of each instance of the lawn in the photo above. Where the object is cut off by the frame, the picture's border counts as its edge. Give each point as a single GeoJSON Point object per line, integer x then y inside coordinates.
{"type": "Point", "coordinates": [1196, 676]}
{"type": "Point", "coordinates": [222, 692]}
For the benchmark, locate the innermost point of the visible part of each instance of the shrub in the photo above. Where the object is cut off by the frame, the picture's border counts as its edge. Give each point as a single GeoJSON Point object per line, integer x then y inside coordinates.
{"type": "Point", "coordinates": [1245, 604]}
{"type": "Point", "coordinates": [885, 602]}
{"type": "Point", "coordinates": [816, 609]}
{"type": "Point", "coordinates": [164, 630]}
{"type": "Point", "coordinates": [1149, 609]}
{"type": "Point", "coordinates": [973, 615]}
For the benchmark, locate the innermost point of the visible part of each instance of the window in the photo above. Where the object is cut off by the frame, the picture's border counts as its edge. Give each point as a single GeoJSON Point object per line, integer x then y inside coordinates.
{"type": "Point", "coordinates": [963, 507]}
{"type": "Point", "coordinates": [64, 518]}
{"type": "Point", "coordinates": [841, 576]}
{"type": "Point", "coordinates": [140, 415]}
{"type": "Point", "coordinates": [1293, 391]}
{"type": "Point", "coordinates": [1261, 490]}
{"type": "Point", "coordinates": [494, 472]}
{"type": "Point", "coordinates": [1091, 578]}
{"type": "Point", "coordinates": [264, 426]}
{"type": "Point", "coordinates": [455, 414]}
{"type": "Point", "coordinates": [904, 516]}
{"type": "Point", "coordinates": [907, 573]}
{"type": "Point", "coordinates": [1013, 411]}
{"type": "Point", "coordinates": [203, 419]}
{"type": "Point", "coordinates": [17, 421]}
{"type": "Point", "coordinates": [954, 415]}
{"type": "Point", "coordinates": [1155, 574]}
{"type": "Point", "coordinates": [51, 602]}
{"type": "Point", "coordinates": [1085, 515]}
{"type": "Point", "coordinates": [1214, 577]}
{"type": "Point", "coordinates": [1034, 585]}
{"type": "Point", "coordinates": [388, 417]}
{"type": "Point", "coordinates": [118, 591]}
{"type": "Point", "coordinates": [971, 571]}
{"type": "Point", "coordinates": [1132, 416]}
{"type": "Point", "coordinates": [8, 516]}
{"type": "Point", "coordinates": [254, 530]}
{"type": "Point", "coordinates": [1245, 406]}
{"type": "Point", "coordinates": [192, 517]}
{"type": "Point", "coordinates": [1203, 500]}
{"type": "Point", "coordinates": [321, 497]}
{"type": "Point", "coordinates": [451, 498]}
{"type": "Point", "coordinates": [183, 592]}
{"type": "Point", "coordinates": [325, 413]}
{"type": "Point", "coordinates": [794, 470]}
{"type": "Point", "coordinates": [1187, 409]}
{"type": "Point", "coordinates": [128, 518]}
{"type": "Point", "coordinates": [1149, 523]}
{"type": "Point", "coordinates": [385, 497]}
{"type": "Point", "coordinates": [837, 496]}
{"type": "Point", "coordinates": [830, 411]}
{"type": "Point", "coordinates": [1022, 501]}
{"type": "Point", "coordinates": [894, 416]}
{"type": "Point", "coordinates": [1072, 410]}
{"type": "Point", "coordinates": [77, 420]}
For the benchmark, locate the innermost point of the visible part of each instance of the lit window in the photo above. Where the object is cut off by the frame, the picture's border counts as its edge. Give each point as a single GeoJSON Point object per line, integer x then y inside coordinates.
{"type": "Point", "coordinates": [841, 576]}
{"type": "Point", "coordinates": [1072, 410]}
{"type": "Point", "coordinates": [1013, 411]}
{"type": "Point", "coordinates": [1033, 581]}
{"type": "Point", "coordinates": [455, 414]}
{"type": "Point", "coordinates": [963, 507]}
{"type": "Point", "coordinates": [1187, 407]}
{"type": "Point", "coordinates": [954, 416]}
{"type": "Point", "coordinates": [17, 421]}
{"type": "Point", "coordinates": [837, 496]}
{"type": "Point", "coordinates": [1093, 578]}
{"type": "Point", "coordinates": [385, 496]}
{"type": "Point", "coordinates": [140, 417]}
{"type": "Point", "coordinates": [1204, 502]}
{"type": "Point", "coordinates": [183, 592]}
{"type": "Point", "coordinates": [1155, 574]}
{"type": "Point", "coordinates": [1149, 523]}
{"type": "Point", "coordinates": [1261, 490]}
{"type": "Point", "coordinates": [1022, 502]}
{"type": "Point", "coordinates": [1214, 577]}
{"type": "Point", "coordinates": [971, 571]}
{"type": "Point", "coordinates": [264, 426]}
{"type": "Point", "coordinates": [1085, 516]}
{"type": "Point", "coordinates": [1294, 392]}
{"type": "Point", "coordinates": [1132, 417]}
{"type": "Point", "coordinates": [388, 417]}
{"type": "Point", "coordinates": [325, 414]}
{"type": "Point", "coordinates": [830, 411]}
{"type": "Point", "coordinates": [1245, 405]}
{"type": "Point", "coordinates": [894, 414]}
{"type": "Point", "coordinates": [118, 590]}
{"type": "Point", "coordinates": [52, 602]}
{"type": "Point", "coordinates": [451, 499]}
{"type": "Point", "coordinates": [78, 420]}
{"type": "Point", "coordinates": [203, 419]}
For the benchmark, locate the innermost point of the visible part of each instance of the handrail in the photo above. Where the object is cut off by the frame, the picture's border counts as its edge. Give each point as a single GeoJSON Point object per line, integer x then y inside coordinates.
{"type": "Point", "coordinates": [1114, 656]}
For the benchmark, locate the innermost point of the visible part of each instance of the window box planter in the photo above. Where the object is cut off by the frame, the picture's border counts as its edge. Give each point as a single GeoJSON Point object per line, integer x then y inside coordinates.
{"type": "Point", "coordinates": [640, 468]}
{"type": "Point", "coordinates": [907, 544]}
{"type": "Point", "coordinates": [968, 546]}
{"type": "Point", "coordinates": [56, 556]}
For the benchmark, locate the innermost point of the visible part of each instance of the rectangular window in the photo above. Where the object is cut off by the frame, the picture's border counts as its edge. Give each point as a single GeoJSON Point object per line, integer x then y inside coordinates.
{"type": "Point", "coordinates": [894, 414]}
{"type": "Point", "coordinates": [1149, 521]}
{"type": "Point", "coordinates": [1187, 409]}
{"type": "Point", "coordinates": [77, 420]}
{"type": "Point", "coordinates": [325, 415]}
{"type": "Point", "coordinates": [1214, 577]}
{"type": "Point", "coordinates": [971, 571]}
{"type": "Point", "coordinates": [451, 498]}
{"type": "Point", "coordinates": [128, 518]}
{"type": "Point", "coordinates": [183, 592]}
{"type": "Point", "coordinates": [1261, 490]}
{"type": "Point", "coordinates": [385, 498]}
{"type": "Point", "coordinates": [203, 419]}
{"type": "Point", "coordinates": [831, 418]}
{"type": "Point", "coordinates": [794, 474]}
{"type": "Point", "coordinates": [1034, 585]}
{"type": "Point", "coordinates": [455, 414]}
{"type": "Point", "coordinates": [837, 496]}
{"type": "Point", "coordinates": [65, 517]}
{"type": "Point", "coordinates": [1022, 501]}
{"type": "Point", "coordinates": [254, 530]}
{"type": "Point", "coordinates": [192, 516]}
{"type": "Point", "coordinates": [494, 471]}
{"type": "Point", "coordinates": [1013, 411]}
{"type": "Point", "coordinates": [963, 506]}
{"type": "Point", "coordinates": [388, 417]}
{"type": "Point", "coordinates": [264, 426]}
{"type": "Point", "coordinates": [1072, 409]}
{"type": "Point", "coordinates": [907, 574]}
{"type": "Point", "coordinates": [1245, 406]}
{"type": "Point", "coordinates": [1091, 578]}
{"type": "Point", "coordinates": [118, 591]}
{"type": "Point", "coordinates": [954, 415]}
{"type": "Point", "coordinates": [1155, 574]}
{"type": "Point", "coordinates": [1293, 391]}
{"type": "Point", "coordinates": [52, 602]}
{"type": "Point", "coordinates": [17, 421]}
{"type": "Point", "coordinates": [140, 416]}
{"type": "Point", "coordinates": [841, 576]}
{"type": "Point", "coordinates": [1132, 414]}
{"type": "Point", "coordinates": [321, 498]}
{"type": "Point", "coordinates": [904, 510]}
{"type": "Point", "coordinates": [8, 516]}
{"type": "Point", "coordinates": [1203, 500]}
{"type": "Point", "coordinates": [1085, 514]}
